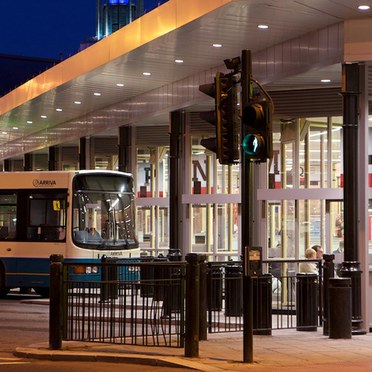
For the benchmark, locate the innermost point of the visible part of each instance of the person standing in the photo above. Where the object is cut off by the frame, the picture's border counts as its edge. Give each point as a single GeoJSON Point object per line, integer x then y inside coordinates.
{"type": "Point", "coordinates": [319, 251]}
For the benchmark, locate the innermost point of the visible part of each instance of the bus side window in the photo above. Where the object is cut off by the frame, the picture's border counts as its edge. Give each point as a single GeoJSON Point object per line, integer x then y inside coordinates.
{"type": "Point", "coordinates": [8, 216]}
{"type": "Point", "coordinates": [47, 217]}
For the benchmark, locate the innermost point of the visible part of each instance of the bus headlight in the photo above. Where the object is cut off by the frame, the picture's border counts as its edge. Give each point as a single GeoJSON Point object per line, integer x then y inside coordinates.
{"type": "Point", "coordinates": [91, 270]}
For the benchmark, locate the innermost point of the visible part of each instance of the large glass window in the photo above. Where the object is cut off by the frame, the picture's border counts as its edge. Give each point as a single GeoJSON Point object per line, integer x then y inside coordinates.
{"type": "Point", "coordinates": [336, 152]}
{"type": "Point", "coordinates": [152, 172]}
{"type": "Point", "coordinates": [153, 229]}
{"type": "Point", "coordinates": [214, 224]}
{"type": "Point", "coordinates": [152, 184]}
{"type": "Point", "coordinates": [103, 219]}
{"type": "Point", "coordinates": [318, 159]}
{"type": "Point", "coordinates": [307, 155]}
{"type": "Point", "coordinates": [103, 212]}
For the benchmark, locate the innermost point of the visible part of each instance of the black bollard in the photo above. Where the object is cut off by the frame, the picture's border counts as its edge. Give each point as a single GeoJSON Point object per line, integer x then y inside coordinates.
{"type": "Point", "coordinates": [234, 290]}
{"type": "Point", "coordinates": [340, 309]}
{"type": "Point", "coordinates": [262, 298]}
{"type": "Point", "coordinates": [192, 305]}
{"type": "Point", "coordinates": [306, 302]}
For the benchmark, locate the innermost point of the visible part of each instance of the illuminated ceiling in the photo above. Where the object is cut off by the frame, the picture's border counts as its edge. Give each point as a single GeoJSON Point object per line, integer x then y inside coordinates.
{"type": "Point", "coordinates": [104, 86]}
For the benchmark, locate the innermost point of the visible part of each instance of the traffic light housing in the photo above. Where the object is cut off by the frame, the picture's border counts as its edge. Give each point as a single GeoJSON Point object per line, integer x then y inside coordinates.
{"type": "Point", "coordinates": [257, 131]}
{"type": "Point", "coordinates": [225, 117]}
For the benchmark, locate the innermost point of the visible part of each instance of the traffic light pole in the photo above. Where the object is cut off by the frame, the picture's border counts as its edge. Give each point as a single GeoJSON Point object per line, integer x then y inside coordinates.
{"type": "Point", "coordinates": [246, 192]}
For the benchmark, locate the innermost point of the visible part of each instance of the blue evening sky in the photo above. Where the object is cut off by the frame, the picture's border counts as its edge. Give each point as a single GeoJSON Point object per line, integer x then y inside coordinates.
{"type": "Point", "coordinates": [48, 28]}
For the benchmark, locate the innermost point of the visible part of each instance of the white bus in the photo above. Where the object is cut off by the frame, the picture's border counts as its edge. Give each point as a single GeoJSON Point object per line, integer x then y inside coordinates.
{"type": "Point", "coordinates": [82, 215]}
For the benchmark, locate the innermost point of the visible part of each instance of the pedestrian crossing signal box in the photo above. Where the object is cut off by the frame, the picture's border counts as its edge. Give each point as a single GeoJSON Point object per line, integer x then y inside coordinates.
{"type": "Point", "coordinates": [253, 261]}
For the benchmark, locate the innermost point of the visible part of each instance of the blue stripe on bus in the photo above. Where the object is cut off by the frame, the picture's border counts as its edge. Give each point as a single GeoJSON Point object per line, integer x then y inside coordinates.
{"type": "Point", "coordinates": [34, 272]}
{"type": "Point", "coordinates": [26, 272]}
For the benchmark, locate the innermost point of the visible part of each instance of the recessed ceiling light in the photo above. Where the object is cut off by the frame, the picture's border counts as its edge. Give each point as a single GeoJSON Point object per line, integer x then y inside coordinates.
{"type": "Point", "coordinates": [178, 60]}
{"type": "Point", "coordinates": [119, 84]}
{"type": "Point", "coordinates": [325, 80]}
{"type": "Point", "coordinates": [29, 121]}
{"type": "Point", "coordinates": [263, 27]}
{"type": "Point", "coordinates": [217, 45]}
{"type": "Point", "coordinates": [147, 74]}
{"type": "Point", "coordinates": [363, 7]}
{"type": "Point", "coordinates": [4, 133]}
{"type": "Point", "coordinates": [15, 128]}
{"type": "Point", "coordinates": [97, 94]}
{"type": "Point", "coordinates": [43, 116]}
{"type": "Point", "coordinates": [77, 102]}
{"type": "Point", "coordinates": [59, 109]}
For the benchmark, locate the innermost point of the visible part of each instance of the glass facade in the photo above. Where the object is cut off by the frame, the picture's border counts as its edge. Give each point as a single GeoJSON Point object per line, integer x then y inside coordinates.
{"type": "Point", "coordinates": [307, 155]}
{"type": "Point", "coordinates": [214, 222]}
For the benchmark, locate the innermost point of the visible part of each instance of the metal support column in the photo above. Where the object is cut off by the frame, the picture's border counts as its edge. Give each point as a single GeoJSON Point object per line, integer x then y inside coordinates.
{"type": "Point", "coordinates": [175, 186]}
{"type": "Point", "coordinates": [27, 164]}
{"type": "Point", "coordinates": [7, 165]}
{"type": "Point", "coordinates": [82, 153]}
{"type": "Point", "coordinates": [52, 158]}
{"type": "Point", "coordinates": [125, 136]}
{"type": "Point", "coordinates": [351, 266]}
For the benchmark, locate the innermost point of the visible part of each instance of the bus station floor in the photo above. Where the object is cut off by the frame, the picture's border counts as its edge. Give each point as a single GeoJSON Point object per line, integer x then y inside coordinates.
{"type": "Point", "coordinates": [284, 350]}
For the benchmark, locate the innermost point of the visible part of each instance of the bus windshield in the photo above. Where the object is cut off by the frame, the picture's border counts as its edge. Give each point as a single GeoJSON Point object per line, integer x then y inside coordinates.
{"type": "Point", "coordinates": [103, 220]}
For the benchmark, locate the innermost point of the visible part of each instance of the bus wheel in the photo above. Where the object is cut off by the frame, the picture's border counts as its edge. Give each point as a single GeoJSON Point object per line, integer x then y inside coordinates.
{"type": "Point", "coordinates": [3, 290]}
{"type": "Point", "coordinates": [42, 291]}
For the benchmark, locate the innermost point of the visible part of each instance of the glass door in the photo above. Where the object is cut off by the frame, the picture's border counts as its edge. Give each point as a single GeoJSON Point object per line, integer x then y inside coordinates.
{"type": "Point", "coordinates": [335, 229]}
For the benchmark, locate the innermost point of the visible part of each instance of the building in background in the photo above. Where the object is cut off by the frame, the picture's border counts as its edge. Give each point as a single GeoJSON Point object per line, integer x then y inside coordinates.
{"type": "Point", "coordinates": [114, 14]}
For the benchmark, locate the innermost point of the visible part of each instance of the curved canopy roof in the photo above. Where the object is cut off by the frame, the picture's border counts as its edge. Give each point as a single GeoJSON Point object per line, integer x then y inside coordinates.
{"type": "Point", "coordinates": [106, 86]}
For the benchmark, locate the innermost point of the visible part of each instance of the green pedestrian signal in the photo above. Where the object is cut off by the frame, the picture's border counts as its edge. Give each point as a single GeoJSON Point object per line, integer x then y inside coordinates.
{"type": "Point", "coordinates": [257, 131]}
{"type": "Point", "coordinates": [253, 145]}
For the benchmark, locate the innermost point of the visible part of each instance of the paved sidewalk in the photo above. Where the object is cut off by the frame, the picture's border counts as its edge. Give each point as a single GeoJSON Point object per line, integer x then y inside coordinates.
{"type": "Point", "coordinates": [285, 350]}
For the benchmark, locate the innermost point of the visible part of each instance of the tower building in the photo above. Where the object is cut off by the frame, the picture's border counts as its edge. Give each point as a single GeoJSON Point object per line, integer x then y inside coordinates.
{"type": "Point", "coordinates": [114, 14]}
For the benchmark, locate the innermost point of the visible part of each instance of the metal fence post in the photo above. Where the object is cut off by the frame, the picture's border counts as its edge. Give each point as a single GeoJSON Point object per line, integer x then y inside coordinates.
{"type": "Point", "coordinates": [203, 334]}
{"type": "Point", "coordinates": [55, 302]}
{"type": "Point", "coordinates": [192, 305]}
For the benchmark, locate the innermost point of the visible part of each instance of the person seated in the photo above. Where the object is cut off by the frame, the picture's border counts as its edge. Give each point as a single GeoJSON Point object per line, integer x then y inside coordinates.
{"type": "Point", "coordinates": [93, 234]}
{"type": "Point", "coordinates": [309, 267]}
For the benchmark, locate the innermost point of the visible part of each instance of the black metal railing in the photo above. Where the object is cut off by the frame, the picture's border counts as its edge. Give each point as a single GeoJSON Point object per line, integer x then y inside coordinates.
{"type": "Point", "coordinates": [148, 302]}
{"type": "Point", "coordinates": [134, 303]}
{"type": "Point", "coordinates": [275, 298]}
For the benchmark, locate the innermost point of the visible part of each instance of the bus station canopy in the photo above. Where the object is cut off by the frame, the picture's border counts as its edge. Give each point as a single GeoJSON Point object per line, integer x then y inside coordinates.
{"type": "Point", "coordinates": [154, 65]}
